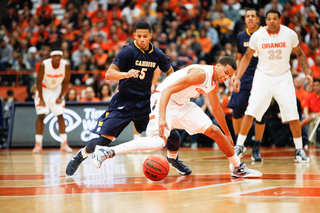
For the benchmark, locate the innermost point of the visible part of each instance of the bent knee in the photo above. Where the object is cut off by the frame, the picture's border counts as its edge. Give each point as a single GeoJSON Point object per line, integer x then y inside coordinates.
{"type": "Point", "coordinates": [213, 131]}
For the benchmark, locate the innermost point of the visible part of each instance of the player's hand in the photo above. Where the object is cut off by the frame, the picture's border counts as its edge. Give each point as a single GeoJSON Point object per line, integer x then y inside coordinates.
{"type": "Point", "coordinates": [133, 73]}
{"type": "Point", "coordinates": [230, 140]}
{"type": "Point", "coordinates": [236, 85]}
{"type": "Point", "coordinates": [59, 100]}
{"type": "Point", "coordinates": [309, 78]}
{"type": "Point", "coordinates": [42, 103]}
{"type": "Point", "coordinates": [162, 125]}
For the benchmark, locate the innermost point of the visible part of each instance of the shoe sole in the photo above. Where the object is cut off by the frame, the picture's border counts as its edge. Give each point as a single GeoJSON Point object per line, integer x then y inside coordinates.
{"type": "Point", "coordinates": [181, 173]}
{"type": "Point", "coordinates": [37, 152]}
{"type": "Point", "coordinates": [66, 150]}
{"type": "Point", "coordinates": [253, 159]}
{"type": "Point", "coordinates": [250, 174]}
{"type": "Point", "coordinates": [301, 161]}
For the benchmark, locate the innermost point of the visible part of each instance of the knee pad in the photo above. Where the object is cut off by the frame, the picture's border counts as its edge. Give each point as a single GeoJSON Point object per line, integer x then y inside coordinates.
{"type": "Point", "coordinates": [238, 112]}
{"type": "Point", "coordinates": [173, 142]}
{"type": "Point", "coordinates": [97, 141]}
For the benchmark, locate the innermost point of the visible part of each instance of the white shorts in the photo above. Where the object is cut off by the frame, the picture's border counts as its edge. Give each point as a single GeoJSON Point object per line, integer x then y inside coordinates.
{"type": "Point", "coordinates": [189, 117]}
{"type": "Point", "coordinates": [264, 87]}
{"type": "Point", "coordinates": [49, 96]}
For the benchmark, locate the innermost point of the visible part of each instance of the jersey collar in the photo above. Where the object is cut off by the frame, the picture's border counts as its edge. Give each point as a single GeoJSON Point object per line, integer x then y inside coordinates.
{"type": "Point", "coordinates": [247, 30]}
{"type": "Point", "coordinates": [266, 27]}
{"type": "Point", "coordinates": [150, 47]}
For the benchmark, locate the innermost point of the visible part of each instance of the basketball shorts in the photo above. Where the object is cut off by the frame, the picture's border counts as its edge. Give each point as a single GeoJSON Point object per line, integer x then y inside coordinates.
{"type": "Point", "coordinates": [240, 99]}
{"type": "Point", "coordinates": [120, 113]}
{"type": "Point", "coordinates": [188, 116]}
{"type": "Point", "coordinates": [264, 87]}
{"type": "Point", "coordinates": [49, 96]}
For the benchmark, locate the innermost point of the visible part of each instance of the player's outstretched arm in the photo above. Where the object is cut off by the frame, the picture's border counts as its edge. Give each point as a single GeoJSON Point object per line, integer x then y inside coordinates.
{"type": "Point", "coordinates": [218, 113]}
{"type": "Point", "coordinates": [244, 62]}
{"type": "Point", "coordinates": [66, 82]}
{"type": "Point", "coordinates": [40, 75]}
{"type": "Point", "coordinates": [114, 73]}
{"type": "Point", "coordinates": [303, 62]}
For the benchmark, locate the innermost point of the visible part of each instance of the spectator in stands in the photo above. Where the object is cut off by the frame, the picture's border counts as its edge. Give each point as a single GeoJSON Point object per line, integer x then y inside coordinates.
{"type": "Point", "coordinates": [315, 69]}
{"type": "Point", "coordinates": [131, 12]}
{"type": "Point", "coordinates": [232, 12]}
{"type": "Point", "coordinates": [212, 34]}
{"type": "Point", "coordinates": [225, 26]}
{"type": "Point", "coordinates": [274, 4]}
{"type": "Point", "coordinates": [5, 53]}
{"type": "Point", "coordinates": [101, 57]}
{"type": "Point", "coordinates": [183, 58]}
{"type": "Point", "coordinates": [32, 58]}
{"type": "Point", "coordinates": [90, 95]}
{"type": "Point", "coordinates": [71, 95]}
{"type": "Point", "coordinates": [10, 17]}
{"type": "Point", "coordinates": [312, 109]}
{"type": "Point", "coordinates": [105, 92]}
{"type": "Point", "coordinates": [32, 93]}
{"type": "Point", "coordinates": [76, 55]}
{"type": "Point", "coordinates": [7, 102]}
{"type": "Point", "coordinates": [45, 9]}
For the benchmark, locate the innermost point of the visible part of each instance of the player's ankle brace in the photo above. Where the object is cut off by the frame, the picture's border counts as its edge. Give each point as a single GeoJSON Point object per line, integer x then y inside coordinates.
{"type": "Point", "coordinates": [97, 141]}
{"type": "Point", "coordinates": [173, 142]}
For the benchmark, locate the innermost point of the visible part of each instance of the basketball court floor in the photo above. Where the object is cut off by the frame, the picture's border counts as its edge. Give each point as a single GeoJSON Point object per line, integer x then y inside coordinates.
{"type": "Point", "coordinates": [37, 183]}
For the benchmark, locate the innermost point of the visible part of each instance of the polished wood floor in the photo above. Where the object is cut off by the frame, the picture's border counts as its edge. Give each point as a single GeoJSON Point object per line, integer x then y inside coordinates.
{"type": "Point", "coordinates": [37, 183]}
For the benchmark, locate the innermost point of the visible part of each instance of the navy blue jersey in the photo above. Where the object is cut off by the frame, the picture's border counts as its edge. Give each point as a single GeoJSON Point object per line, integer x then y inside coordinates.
{"type": "Point", "coordinates": [132, 57]}
{"type": "Point", "coordinates": [242, 44]}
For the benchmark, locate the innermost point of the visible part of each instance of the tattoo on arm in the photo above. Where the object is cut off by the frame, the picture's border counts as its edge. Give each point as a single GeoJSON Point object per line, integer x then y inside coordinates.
{"type": "Point", "coordinates": [302, 60]}
{"type": "Point", "coordinates": [249, 52]}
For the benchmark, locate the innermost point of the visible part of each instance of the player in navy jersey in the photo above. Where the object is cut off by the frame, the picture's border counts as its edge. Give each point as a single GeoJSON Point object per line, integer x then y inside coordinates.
{"type": "Point", "coordinates": [239, 101]}
{"type": "Point", "coordinates": [134, 67]}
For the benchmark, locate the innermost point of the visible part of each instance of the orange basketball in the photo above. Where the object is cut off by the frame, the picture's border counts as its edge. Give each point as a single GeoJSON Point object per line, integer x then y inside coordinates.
{"type": "Point", "coordinates": [156, 167]}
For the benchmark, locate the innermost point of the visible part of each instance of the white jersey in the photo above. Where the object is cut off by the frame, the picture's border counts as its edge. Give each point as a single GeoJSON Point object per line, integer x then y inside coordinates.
{"type": "Point", "coordinates": [274, 49]}
{"type": "Point", "coordinates": [52, 78]}
{"type": "Point", "coordinates": [184, 96]}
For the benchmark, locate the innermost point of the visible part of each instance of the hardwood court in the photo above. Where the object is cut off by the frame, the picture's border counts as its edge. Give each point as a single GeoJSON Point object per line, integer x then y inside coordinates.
{"type": "Point", "coordinates": [37, 183]}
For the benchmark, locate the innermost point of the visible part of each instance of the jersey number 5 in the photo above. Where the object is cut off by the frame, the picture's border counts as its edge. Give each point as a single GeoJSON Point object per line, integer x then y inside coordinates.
{"type": "Point", "coordinates": [143, 73]}
{"type": "Point", "coordinates": [275, 54]}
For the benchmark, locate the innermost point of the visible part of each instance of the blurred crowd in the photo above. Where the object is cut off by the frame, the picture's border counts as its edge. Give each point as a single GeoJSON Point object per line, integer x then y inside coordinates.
{"type": "Point", "coordinates": [92, 32]}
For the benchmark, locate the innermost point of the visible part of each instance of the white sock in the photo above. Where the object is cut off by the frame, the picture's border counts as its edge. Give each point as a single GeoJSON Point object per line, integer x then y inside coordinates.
{"type": "Point", "coordinates": [63, 138]}
{"type": "Point", "coordinates": [140, 144]}
{"type": "Point", "coordinates": [172, 156]}
{"type": "Point", "coordinates": [84, 153]}
{"type": "Point", "coordinates": [235, 160]}
{"type": "Point", "coordinates": [298, 142]}
{"type": "Point", "coordinates": [39, 139]}
{"type": "Point", "coordinates": [241, 139]}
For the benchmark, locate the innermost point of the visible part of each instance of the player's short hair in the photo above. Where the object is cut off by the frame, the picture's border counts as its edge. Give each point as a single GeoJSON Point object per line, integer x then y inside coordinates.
{"type": "Point", "coordinates": [225, 60]}
{"type": "Point", "coordinates": [143, 25]}
{"type": "Point", "coordinates": [274, 11]}
{"type": "Point", "coordinates": [252, 9]}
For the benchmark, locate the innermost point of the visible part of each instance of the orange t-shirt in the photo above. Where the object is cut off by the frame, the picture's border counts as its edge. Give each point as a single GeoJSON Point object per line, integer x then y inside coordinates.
{"type": "Point", "coordinates": [206, 44]}
{"type": "Point", "coordinates": [101, 59]}
{"type": "Point", "coordinates": [315, 71]}
{"type": "Point", "coordinates": [92, 100]}
{"type": "Point", "coordinates": [302, 95]}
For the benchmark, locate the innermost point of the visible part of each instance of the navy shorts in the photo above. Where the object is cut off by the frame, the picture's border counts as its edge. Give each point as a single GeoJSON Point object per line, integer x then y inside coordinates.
{"type": "Point", "coordinates": [240, 99]}
{"type": "Point", "coordinates": [120, 113]}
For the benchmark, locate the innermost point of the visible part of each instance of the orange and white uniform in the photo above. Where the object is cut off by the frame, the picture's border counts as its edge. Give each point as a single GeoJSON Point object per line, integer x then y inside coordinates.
{"type": "Point", "coordinates": [272, 76]}
{"type": "Point", "coordinates": [181, 113]}
{"type": "Point", "coordinates": [51, 88]}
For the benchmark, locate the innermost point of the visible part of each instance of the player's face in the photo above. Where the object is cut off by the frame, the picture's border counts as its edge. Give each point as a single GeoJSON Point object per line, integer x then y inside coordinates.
{"type": "Point", "coordinates": [251, 19]}
{"type": "Point", "coordinates": [223, 73]}
{"type": "Point", "coordinates": [143, 37]}
{"type": "Point", "coordinates": [273, 23]}
{"type": "Point", "coordinates": [56, 58]}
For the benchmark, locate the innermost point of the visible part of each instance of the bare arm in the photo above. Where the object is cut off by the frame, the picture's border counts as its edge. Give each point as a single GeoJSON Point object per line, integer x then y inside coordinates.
{"type": "Point", "coordinates": [113, 73]}
{"type": "Point", "coordinates": [239, 56]}
{"type": "Point", "coordinates": [40, 79]}
{"type": "Point", "coordinates": [66, 81]}
{"type": "Point", "coordinates": [303, 62]}
{"type": "Point", "coordinates": [244, 62]}
{"type": "Point", "coordinates": [196, 76]}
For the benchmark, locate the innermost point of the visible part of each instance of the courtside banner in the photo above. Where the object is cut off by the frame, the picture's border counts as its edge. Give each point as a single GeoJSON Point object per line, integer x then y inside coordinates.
{"type": "Point", "coordinates": [80, 119]}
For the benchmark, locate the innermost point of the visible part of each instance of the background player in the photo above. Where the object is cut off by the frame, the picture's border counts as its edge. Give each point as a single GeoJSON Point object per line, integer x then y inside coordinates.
{"type": "Point", "coordinates": [134, 66]}
{"type": "Point", "coordinates": [274, 44]}
{"type": "Point", "coordinates": [172, 108]}
{"type": "Point", "coordinates": [51, 74]}
{"type": "Point", "coordinates": [239, 100]}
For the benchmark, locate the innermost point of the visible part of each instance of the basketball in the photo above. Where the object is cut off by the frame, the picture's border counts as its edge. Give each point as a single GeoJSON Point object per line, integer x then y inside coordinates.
{"type": "Point", "coordinates": [156, 167]}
